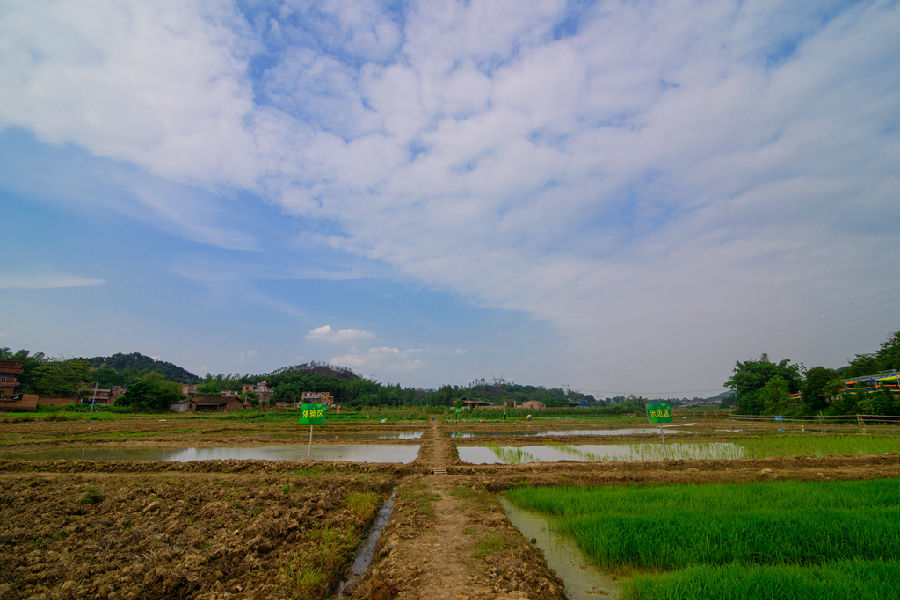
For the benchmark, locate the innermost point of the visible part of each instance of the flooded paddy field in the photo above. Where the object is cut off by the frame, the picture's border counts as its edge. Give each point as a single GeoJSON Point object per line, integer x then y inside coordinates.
{"type": "Point", "coordinates": [224, 522]}
{"type": "Point", "coordinates": [380, 453]}
{"type": "Point", "coordinates": [195, 431]}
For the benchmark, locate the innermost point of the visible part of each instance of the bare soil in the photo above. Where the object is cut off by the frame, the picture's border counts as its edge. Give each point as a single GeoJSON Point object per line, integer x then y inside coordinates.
{"type": "Point", "coordinates": [256, 529]}
{"type": "Point", "coordinates": [169, 534]}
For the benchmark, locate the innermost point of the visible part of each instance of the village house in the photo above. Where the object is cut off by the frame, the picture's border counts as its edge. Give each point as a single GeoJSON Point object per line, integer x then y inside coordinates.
{"type": "Point", "coordinates": [531, 405]}
{"type": "Point", "coordinates": [210, 403]}
{"type": "Point", "coordinates": [10, 371]}
{"type": "Point", "coordinates": [262, 392]}
{"type": "Point", "coordinates": [103, 395]}
{"type": "Point", "coordinates": [316, 398]}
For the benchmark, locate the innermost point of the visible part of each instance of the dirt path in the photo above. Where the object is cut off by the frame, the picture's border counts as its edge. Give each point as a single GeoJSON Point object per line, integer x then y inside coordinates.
{"type": "Point", "coordinates": [452, 541]}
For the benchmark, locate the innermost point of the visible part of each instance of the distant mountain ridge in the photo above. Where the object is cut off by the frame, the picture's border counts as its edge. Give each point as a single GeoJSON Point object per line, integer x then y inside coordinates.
{"type": "Point", "coordinates": [136, 363]}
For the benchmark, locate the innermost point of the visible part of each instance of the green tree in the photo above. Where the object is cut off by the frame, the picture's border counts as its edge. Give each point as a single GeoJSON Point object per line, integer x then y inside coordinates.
{"type": "Point", "coordinates": [776, 399]}
{"type": "Point", "coordinates": [251, 398]}
{"type": "Point", "coordinates": [819, 386]}
{"type": "Point", "coordinates": [152, 392]}
{"type": "Point", "coordinates": [751, 376]}
{"type": "Point", "coordinates": [61, 377]}
{"type": "Point", "coordinates": [887, 358]}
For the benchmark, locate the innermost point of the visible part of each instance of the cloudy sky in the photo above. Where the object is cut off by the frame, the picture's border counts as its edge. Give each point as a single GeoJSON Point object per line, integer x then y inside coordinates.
{"type": "Point", "coordinates": [618, 197]}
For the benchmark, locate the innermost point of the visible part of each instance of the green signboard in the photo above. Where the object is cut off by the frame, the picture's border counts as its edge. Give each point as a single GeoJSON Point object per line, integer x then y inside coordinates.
{"type": "Point", "coordinates": [457, 410]}
{"type": "Point", "coordinates": [659, 412]}
{"type": "Point", "coordinates": [312, 414]}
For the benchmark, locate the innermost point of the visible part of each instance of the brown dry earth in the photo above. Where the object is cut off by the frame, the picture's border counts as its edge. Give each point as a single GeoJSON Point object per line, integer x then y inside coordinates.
{"type": "Point", "coordinates": [245, 529]}
{"type": "Point", "coordinates": [178, 534]}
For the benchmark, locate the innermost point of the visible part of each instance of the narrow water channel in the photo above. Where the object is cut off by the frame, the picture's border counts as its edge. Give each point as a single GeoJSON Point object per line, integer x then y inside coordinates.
{"type": "Point", "coordinates": [366, 551]}
{"type": "Point", "coordinates": [582, 580]}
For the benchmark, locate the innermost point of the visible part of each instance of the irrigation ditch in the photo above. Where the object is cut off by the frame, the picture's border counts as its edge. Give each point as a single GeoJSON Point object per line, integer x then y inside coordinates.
{"type": "Point", "coordinates": [227, 527]}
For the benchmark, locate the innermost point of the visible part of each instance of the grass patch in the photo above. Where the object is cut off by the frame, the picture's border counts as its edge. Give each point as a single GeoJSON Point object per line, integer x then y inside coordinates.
{"type": "Point", "coordinates": [92, 496]}
{"type": "Point", "coordinates": [478, 497]}
{"type": "Point", "coordinates": [421, 499]}
{"type": "Point", "coordinates": [310, 572]}
{"type": "Point", "coordinates": [487, 545]}
{"type": "Point", "coordinates": [363, 505]}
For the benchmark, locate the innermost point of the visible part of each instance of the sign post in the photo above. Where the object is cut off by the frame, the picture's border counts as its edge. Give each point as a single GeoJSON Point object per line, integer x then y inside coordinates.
{"type": "Point", "coordinates": [311, 414]}
{"type": "Point", "coordinates": [660, 412]}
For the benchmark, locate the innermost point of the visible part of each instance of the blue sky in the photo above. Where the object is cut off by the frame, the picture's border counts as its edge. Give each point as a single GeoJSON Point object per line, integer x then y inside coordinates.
{"type": "Point", "coordinates": [618, 197]}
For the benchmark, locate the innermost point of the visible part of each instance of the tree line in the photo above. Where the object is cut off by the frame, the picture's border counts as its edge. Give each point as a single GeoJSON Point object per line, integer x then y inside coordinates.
{"type": "Point", "coordinates": [764, 387]}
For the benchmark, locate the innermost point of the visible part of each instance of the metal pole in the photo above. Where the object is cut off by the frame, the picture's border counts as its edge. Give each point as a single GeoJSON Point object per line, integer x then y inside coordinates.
{"type": "Point", "coordinates": [663, 434]}
{"type": "Point", "coordinates": [309, 447]}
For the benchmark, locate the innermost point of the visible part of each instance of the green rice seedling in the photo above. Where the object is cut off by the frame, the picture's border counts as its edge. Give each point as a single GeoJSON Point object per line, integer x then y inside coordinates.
{"type": "Point", "coordinates": [767, 523]}
{"type": "Point", "coordinates": [820, 445]}
{"type": "Point", "coordinates": [510, 456]}
{"type": "Point", "coordinates": [861, 580]}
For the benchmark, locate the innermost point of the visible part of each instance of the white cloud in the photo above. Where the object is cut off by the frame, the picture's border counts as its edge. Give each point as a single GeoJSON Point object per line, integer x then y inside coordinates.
{"type": "Point", "coordinates": [246, 355]}
{"type": "Point", "coordinates": [46, 281]}
{"type": "Point", "coordinates": [656, 173]}
{"type": "Point", "coordinates": [381, 359]}
{"type": "Point", "coordinates": [460, 351]}
{"type": "Point", "coordinates": [340, 336]}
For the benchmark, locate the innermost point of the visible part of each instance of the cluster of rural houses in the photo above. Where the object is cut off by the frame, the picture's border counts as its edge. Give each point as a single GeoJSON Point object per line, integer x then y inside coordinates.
{"type": "Point", "coordinates": [482, 404]}
{"type": "Point", "coordinates": [11, 399]}
{"type": "Point", "coordinates": [237, 400]}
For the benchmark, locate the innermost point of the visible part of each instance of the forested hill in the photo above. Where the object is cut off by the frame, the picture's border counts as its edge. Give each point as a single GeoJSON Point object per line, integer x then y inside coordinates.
{"type": "Point", "coordinates": [136, 364]}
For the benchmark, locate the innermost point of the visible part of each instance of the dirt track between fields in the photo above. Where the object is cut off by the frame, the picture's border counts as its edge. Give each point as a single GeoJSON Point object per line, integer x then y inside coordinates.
{"type": "Point", "coordinates": [238, 529]}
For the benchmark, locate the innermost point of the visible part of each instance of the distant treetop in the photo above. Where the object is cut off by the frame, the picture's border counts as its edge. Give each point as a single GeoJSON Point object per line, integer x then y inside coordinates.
{"type": "Point", "coordinates": [136, 363]}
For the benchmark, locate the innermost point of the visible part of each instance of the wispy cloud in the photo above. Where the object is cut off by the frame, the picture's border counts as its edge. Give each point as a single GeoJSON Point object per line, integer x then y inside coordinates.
{"type": "Point", "coordinates": [247, 354]}
{"type": "Point", "coordinates": [383, 358]}
{"type": "Point", "coordinates": [46, 282]}
{"type": "Point", "coordinates": [338, 336]}
{"type": "Point", "coordinates": [634, 175]}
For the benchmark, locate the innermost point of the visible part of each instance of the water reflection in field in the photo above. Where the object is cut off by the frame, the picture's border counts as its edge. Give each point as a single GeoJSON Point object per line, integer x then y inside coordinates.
{"type": "Point", "coordinates": [561, 433]}
{"type": "Point", "coordinates": [493, 454]}
{"type": "Point", "coordinates": [582, 580]}
{"type": "Point", "coordinates": [357, 453]}
{"type": "Point", "coordinates": [379, 435]}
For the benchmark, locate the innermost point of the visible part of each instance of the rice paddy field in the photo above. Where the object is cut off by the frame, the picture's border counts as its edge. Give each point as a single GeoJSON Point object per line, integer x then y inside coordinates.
{"type": "Point", "coordinates": [787, 539]}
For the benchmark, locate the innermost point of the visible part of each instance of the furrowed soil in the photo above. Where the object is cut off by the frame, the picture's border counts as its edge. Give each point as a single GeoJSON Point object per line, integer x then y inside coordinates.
{"type": "Point", "coordinates": [258, 529]}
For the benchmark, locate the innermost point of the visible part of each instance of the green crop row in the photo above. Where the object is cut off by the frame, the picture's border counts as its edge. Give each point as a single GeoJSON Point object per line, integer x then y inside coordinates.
{"type": "Point", "coordinates": [794, 540]}
{"type": "Point", "coordinates": [761, 536]}
{"type": "Point", "coordinates": [709, 499]}
{"type": "Point", "coordinates": [759, 523]}
{"type": "Point", "coordinates": [819, 445]}
{"type": "Point", "coordinates": [860, 580]}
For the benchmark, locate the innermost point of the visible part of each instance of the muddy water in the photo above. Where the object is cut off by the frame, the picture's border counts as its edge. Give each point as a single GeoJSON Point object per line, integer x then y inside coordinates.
{"type": "Point", "coordinates": [564, 433]}
{"type": "Point", "coordinates": [368, 435]}
{"type": "Point", "coordinates": [366, 453]}
{"type": "Point", "coordinates": [366, 551]}
{"type": "Point", "coordinates": [597, 453]}
{"type": "Point", "coordinates": [582, 580]}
